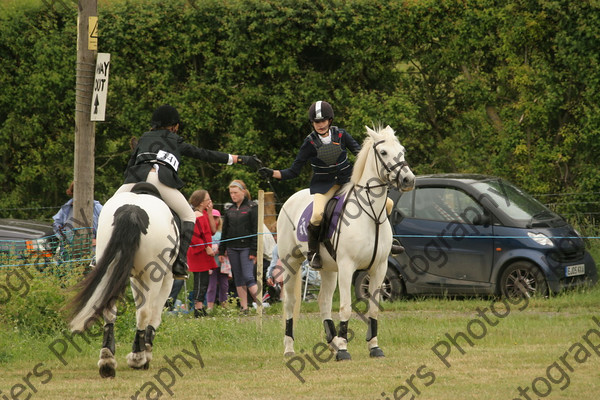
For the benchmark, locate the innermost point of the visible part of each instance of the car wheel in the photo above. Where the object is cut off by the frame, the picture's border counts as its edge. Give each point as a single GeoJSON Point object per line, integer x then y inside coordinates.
{"type": "Point", "coordinates": [392, 287]}
{"type": "Point", "coordinates": [523, 279]}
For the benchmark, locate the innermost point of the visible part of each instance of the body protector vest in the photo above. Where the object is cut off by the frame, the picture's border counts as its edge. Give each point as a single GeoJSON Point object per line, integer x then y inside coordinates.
{"type": "Point", "coordinates": [329, 153]}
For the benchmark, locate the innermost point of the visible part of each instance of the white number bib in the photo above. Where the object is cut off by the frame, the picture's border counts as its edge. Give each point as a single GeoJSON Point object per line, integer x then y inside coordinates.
{"type": "Point", "coordinates": [168, 158]}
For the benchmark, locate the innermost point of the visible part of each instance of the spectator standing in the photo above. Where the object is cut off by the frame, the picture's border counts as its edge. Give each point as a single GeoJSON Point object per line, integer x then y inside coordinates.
{"type": "Point", "coordinates": [238, 242]}
{"type": "Point", "coordinates": [63, 219]}
{"type": "Point", "coordinates": [201, 257]}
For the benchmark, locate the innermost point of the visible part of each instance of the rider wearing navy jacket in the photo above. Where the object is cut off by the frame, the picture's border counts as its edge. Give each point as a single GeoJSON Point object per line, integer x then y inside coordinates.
{"type": "Point", "coordinates": [326, 148]}
{"type": "Point", "coordinates": [156, 159]}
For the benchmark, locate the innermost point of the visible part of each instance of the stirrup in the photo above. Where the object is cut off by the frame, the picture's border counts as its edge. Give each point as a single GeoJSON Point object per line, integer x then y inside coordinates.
{"type": "Point", "coordinates": [315, 261]}
{"type": "Point", "coordinates": [179, 271]}
{"type": "Point", "coordinates": [397, 248]}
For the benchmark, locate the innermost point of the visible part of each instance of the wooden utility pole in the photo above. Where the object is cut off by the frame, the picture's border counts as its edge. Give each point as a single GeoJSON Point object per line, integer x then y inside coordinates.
{"type": "Point", "coordinates": [83, 193]}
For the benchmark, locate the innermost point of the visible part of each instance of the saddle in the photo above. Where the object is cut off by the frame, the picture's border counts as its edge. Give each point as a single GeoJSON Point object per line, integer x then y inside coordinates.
{"type": "Point", "coordinates": [146, 188]}
{"type": "Point", "coordinates": [150, 189]}
{"type": "Point", "coordinates": [331, 216]}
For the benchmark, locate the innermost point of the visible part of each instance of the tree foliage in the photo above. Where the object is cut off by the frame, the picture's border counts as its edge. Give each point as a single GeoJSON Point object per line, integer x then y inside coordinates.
{"type": "Point", "coordinates": [508, 88]}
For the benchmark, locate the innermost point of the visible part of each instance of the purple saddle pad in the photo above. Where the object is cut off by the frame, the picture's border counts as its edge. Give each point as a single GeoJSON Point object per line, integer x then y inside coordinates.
{"type": "Point", "coordinates": [302, 233]}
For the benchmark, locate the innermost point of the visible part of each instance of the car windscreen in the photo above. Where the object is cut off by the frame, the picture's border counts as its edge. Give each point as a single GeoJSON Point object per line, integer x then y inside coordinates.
{"type": "Point", "coordinates": [513, 201]}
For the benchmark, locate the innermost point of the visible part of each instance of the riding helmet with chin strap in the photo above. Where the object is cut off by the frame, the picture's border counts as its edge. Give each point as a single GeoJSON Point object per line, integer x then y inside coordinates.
{"type": "Point", "coordinates": [164, 116]}
{"type": "Point", "coordinates": [320, 111]}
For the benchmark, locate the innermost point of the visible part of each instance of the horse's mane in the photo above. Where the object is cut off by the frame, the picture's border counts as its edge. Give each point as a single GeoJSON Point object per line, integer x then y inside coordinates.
{"type": "Point", "coordinates": [361, 158]}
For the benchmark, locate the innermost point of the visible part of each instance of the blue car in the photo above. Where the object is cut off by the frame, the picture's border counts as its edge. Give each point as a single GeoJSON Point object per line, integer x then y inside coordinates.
{"type": "Point", "coordinates": [480, 235]}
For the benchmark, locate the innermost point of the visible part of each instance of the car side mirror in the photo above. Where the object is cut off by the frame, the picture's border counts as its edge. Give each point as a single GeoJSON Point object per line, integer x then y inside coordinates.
{"type": "Point", "coordinates": [482, 219]}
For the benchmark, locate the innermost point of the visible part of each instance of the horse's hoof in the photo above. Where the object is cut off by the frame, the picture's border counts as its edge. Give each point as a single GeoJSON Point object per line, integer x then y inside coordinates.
{"type": "Point", "coordinates": [342, 355]}
{"type": "Point", "coordinates": [137, 360]}
{"type": "Point", "coordinates": [107, 365]}
{"type": "Point", "coordinates": [376, 352]}
{"type": "Point", "coordinates": [289, 354]}
{"type": "Point", "coordinates": [107, 371]}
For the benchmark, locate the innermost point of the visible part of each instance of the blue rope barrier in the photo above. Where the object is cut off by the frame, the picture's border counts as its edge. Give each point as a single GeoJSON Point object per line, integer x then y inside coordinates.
{"type": "Point", "coordinates": [53, 262]}
{"type": "Point", "coordinates": [493, 237]}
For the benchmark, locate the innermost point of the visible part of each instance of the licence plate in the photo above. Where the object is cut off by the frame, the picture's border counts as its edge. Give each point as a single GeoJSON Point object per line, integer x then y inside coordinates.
{"type": "Point", "coordinates": [574, 270]}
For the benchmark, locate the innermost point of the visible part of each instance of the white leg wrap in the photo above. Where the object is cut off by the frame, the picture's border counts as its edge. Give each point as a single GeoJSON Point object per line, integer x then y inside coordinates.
{"type": "Point", "coordinates": [288, 344]}
{"type": "Point", "coordinates": [372, 343]}
{"type": "Point", "coordinates": [136, 360]}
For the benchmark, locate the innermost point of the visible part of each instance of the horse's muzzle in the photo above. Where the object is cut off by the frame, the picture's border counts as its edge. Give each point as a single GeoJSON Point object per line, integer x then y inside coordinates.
{"type": "Point", "coordinates": [406, 181]}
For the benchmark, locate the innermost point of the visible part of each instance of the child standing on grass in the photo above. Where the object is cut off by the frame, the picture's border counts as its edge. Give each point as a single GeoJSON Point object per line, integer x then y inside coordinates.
{"type": "Point", "coordinates": [201, 256]}
{"type": "Point", "coordinates": [219, 277]}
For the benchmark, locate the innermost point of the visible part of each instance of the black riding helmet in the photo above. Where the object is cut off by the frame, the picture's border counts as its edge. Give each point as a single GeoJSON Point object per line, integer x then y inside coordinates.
{"type": "Point", "coordinates": [320, 111]}
{"type": "Point", "coordinates": [165, 116]}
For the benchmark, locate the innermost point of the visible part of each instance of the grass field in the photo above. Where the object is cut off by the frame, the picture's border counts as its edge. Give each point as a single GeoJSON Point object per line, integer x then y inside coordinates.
{"type": "Point", "coordinates": [548, 347]}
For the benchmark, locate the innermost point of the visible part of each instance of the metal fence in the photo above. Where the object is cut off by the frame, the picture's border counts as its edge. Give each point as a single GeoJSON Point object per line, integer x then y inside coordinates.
{"type": "Point", "coordinates": [74, 246]}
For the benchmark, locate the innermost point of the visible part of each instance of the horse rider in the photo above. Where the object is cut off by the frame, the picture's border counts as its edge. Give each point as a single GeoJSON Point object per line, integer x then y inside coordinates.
{"type": "Point", "coordinates": [156, 159]}
{"type": "Point", "coordinates": [326, 148]}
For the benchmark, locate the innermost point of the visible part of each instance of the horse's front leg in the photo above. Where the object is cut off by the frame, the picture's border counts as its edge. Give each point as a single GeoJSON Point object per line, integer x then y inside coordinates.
{"type": "Point", "coordinates": [107, 364]}
{"type": "Point", "coordinates": [328, 284]}
{"type": "Point", "coordinates": [376, 275]}
{"type": "Point", "coordinates": [345, 282]}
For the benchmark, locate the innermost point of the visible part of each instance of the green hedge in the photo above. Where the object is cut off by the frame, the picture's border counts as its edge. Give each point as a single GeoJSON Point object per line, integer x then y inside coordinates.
{"type": "Point", "coordinates": [509, 88]}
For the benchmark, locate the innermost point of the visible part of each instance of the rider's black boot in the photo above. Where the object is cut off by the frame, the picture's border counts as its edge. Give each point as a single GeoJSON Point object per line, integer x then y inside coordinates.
{"type": "Point", "coordinates": [397, 248]}
{"type": "Point", "coordinates": [180, 268]}
{"type": "Point", "coordinates": [313, 256]}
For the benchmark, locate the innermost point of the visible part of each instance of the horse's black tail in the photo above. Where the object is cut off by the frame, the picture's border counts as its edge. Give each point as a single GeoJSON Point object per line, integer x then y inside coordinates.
{"type": "Point", "coordinates": [103, 286]}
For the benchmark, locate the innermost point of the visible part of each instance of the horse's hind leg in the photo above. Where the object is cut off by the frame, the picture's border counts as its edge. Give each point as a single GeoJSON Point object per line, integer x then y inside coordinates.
{"type": "Point", "coordinates": [107, 364]}
{"type": "Point", "coordinates": [291, 276]}
{"type": "Point", "coordinates": [156, 306]}
{"type": "Point", "coordinates": [137, 358]}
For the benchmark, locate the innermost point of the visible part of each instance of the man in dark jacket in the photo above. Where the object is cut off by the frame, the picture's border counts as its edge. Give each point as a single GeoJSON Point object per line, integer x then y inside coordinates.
{"type": "Point", "coordinates": [156, 159]}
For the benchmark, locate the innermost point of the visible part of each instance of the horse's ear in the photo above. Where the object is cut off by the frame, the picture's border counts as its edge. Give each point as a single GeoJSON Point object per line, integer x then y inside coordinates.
{"type": "Point", "coordinates": [388, 130]}
{"type": "Point", "coordinates": [370, 131]}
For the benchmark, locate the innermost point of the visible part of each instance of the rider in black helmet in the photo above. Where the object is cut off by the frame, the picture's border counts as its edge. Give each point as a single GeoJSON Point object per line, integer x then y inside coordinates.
{"type": "Point", "coordinates": [156, 159]}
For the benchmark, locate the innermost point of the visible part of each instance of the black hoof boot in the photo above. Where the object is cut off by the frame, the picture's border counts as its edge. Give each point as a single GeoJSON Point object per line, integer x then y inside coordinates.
{"type": "Point", "coordinates": [342, 355]}
{"type": "Point", "coordinates": [376, 352]}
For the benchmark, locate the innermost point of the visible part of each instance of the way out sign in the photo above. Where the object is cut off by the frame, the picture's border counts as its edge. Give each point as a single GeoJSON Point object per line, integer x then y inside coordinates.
{"type": "Point", "coordinates": [100, 87]}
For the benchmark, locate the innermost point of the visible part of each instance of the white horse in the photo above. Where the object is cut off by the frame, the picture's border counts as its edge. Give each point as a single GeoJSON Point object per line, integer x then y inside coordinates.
{"type": "Point", "coordinates": [362, 240]}
{"type": "Point", "coordinates": [137, 241]}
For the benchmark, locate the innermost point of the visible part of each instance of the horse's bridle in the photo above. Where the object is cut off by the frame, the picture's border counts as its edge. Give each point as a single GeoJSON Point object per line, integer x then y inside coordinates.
{"type": "Point", "coordinates": [389, 169]}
